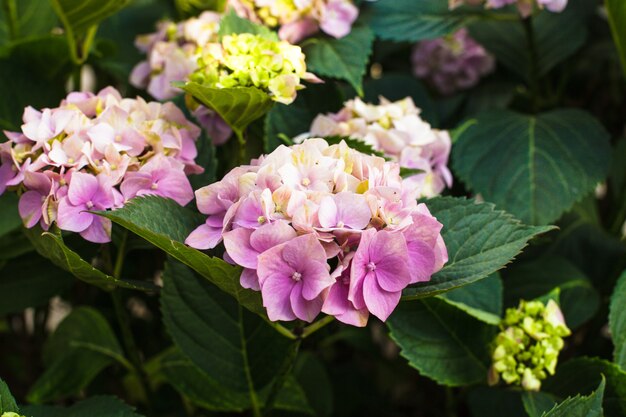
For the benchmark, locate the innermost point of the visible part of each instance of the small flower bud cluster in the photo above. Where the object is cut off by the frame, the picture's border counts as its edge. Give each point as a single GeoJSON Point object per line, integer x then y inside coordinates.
{"type": "Point", "coordinates": [247, 60]}
{"type": "Point", "coordinates": [172, 55]}
{"type": "Point", "coordinates": [397, 130]}
{"type": "Point", "coordinates": [95, 152]}
{"type": "Point", "coordinates": [451, 63]}
{"type": "Point", "coordinates": [10, 414]}
{"type": "Point", "coordinates": [527, 348]}
{"type": "Point", "coordinates": [322, 228]}
{"type": "Point", "coordinates": [299, 19]}
{"type": "Point", "coordinates": [525, 7]}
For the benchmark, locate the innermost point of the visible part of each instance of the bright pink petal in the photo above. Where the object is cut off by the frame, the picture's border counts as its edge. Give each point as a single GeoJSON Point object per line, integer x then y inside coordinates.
{"type": "Point", "coordinates": [82, 188]}
{"type": "Point", "coordinates": [337, 300]}
{"type": "Point", "coordinates": [237, 243]}
{"type": "Point", "coordinates": [327, 214]}
{"type": "Point", "coordinates": [249, 279]}
{"type": "Point", "coordinates": [204, 237]}
{"type": "Point", "coordinates": [270, 235]}
{"type": "Point", "coordinates": [176, 186]}
{"type": "Point", "coordinates": [276, 292]}
{"type": "Point", "coordinates": [379, 302]}
{"type": "Point", "coordinates": [304, 309]}
{"type": "Point", "coordinates": [134, 183]}
{"type": "Point", "coordinates": [354, 317]}
{"type": "Point", "coordinates": [352, 210]}
{"type": "Point", "coordinates": [73, 218]}
{"type": "Point", "coordinates": [30, 206]}
{"type": "Point", "coordinates": [421, 261]}
{"type": "Point", "coordinates": [99, 231]}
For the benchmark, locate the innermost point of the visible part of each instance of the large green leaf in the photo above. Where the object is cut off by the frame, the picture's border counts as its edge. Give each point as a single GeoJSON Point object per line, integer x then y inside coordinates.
{"type": "Point", "coordinates": [233, 24]}
{"type": "Point", "coordinates": [238, 106]}
{"type": "Point", "coordinates": [582, 375]}
{"type": "Point", "coordinates": [50, 245]}
{"type": "Point", "coordinates": [235, 348]}
{"type": "Point", "coordinates": [78, 16]}
{"type": "Point", "coordinates": [579, 300]}
{"type": "Point", "coordinates": [9, 217]}
{"type": "Point", "coordinates": [100, 406]}
{"type": "Point", "coordinates": [480, 240]}
{"type": "Point", "coordinates": [616, 12]}
{"type": "Point", "coordinates": [25, 18]}
{"type": "Point", "coordinates": [442, 342]}
{"type": "Point", "coordinates": [32, 281]}
{"type": "Point", "coordinates": [557, 36]}
{"type": "Point", "coordinates": [410, 20]}
{"type": "Point", "coordinates": [205, 392]}
{"type": "Point", "coordinates": [580, 406]}
{"type": "Point", "coordinates": [482, 299]}
{"type": "Point", "coordinates": [617, 321]}
{"type": "Point", "coordinates": [166, 225]}
{"type": "Point", "coordinates": [7, 402]}
{"type": "Point", "coordinates": [537, 403]}
{"type": "Point", "coordinates": [345, 58]}
{"type": "Point", "coordinates": [535, 167]}
{"type": "Point", "coordinates": [81, 347]}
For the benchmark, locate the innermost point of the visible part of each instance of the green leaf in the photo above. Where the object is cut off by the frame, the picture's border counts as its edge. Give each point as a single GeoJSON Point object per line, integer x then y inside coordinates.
{"type": "Point", "coordinates": [235, 348]}
{"type": "Point", "coordinates": [78, 16]}
{"type": "Point", "coordinates": [99, 406]}
{"type": "Point", "coordinates": [25, 18]}
{"type": "Point", "coordinates": [617, 321]}
{"type": "Point", "coordinates": [535, 167]}
{"type": "Point", "coordinates": [32, 281]}
{"type": "Point", "coordinates": [482, 299]}
{"type": "Point", "coordinates": [495, 402]}
{"type": "Point", "coordinates": [579, 406]}
{"type": "Point", "coordinates": [205, 392]}
{"type": "Point", "coordinates": [7, 402]}
{"type": "Point", "coordinates": [410, 20]}
{"type": "Point", "coordinates": [296, 118]}
{"type": "Point", "coordinates": [51, 246]}
{"type": "Point", "coordinates": [557, 36]}
{"type": "Point", "coordinates": [537, 403]}
{"type": "Point", "coordinates": [313, 377]}
{"type": "Point", "coordinates": [480, 240]}
{"type": "Point", "coordinates": [166, 225]}
{"type": "Point", "coordinates": [616, 12]}
{"type": "Point", "coordinates": [442, 342]}
{"type": "Point", "coordinates": [583, 375]}
{"type": "Point", "coordinates": [233, 24]}
{"type": "Point", "coordinates": [238, 106]}
{"type": "Point", "coordinates": [345, 58]}
{"type": "Point", "coordinates": [528, 280]}
{"type": "Point", "coordinates": [9, 217]}
{"type": "Point", "coordinates": [81, 347]}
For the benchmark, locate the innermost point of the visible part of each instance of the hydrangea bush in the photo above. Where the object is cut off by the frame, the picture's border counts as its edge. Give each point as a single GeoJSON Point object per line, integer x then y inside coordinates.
{"type": "Point", "coordinates": [421, 210]}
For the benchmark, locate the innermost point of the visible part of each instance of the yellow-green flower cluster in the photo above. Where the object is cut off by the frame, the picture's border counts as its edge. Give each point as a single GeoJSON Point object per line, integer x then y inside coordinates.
{"type": "Point", "coordinates": [527, 348]}
{"type": "Point", "coordinates": [247, 60]}
{"type": "Point", "coordinates": [10, 414]}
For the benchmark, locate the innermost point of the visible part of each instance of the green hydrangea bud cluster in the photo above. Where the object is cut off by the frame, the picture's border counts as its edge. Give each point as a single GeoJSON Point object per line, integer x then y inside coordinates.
{"type": "Point", "coordinates": [247, 60]}
{"type": "Point", "coordinates": [527, 348]}
{"type": "Point", "coordinates": [10, 414]}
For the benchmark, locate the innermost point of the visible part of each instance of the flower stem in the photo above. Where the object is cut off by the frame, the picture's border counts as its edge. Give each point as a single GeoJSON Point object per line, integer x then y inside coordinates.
{"type": "Point", "coordinates": [309, 330]}
{"type": "Point", "coordinates": [534, 63]}
{"type": "Point", "coordinates": [241, 138]}
{"type": "Point", "coordinates": [123, 320]}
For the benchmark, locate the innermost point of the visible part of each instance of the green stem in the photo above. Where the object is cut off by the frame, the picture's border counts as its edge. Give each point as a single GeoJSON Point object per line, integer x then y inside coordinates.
{"type": "Point", "coordinates": [10, 12]}
{"type": "Point", "coordinates": [241, 139]}
{"type": "Point", "coordinates": [534, 61]}
{"type": "Point", "coordinates": [309, 330]}
{"type": "Point", "coordinates": [282, 330]}
{"type": "Point", "coordinates": [281, 378]}
{"type": "Point", "coordinates": [123, 320]}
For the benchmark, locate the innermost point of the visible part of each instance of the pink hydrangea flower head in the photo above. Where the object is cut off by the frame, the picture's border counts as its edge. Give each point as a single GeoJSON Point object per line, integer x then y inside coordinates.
{"type": "Point", "coordinates": [75, 158]}
{"type": "Point", "coordinates": [451, 63]}
{"type": "Point", "coordinates": [291, 214]}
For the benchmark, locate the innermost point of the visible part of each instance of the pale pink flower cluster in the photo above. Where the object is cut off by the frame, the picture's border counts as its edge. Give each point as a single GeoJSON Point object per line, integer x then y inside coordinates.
{"type": "Point", "coordinates": [451, 63]}
{"type": "Point", "coordinates": [525, 7]}
{"type": "Point", "coordinates": [397, 130]}
{"type": "Point", "coordinates": [321, 228]}
{"type": "Point", "coordinates": [172, 55]}
{"type": "Point", "coordinates": [299, 19]}
{"type": "Point", "coordinates": [95, 152]}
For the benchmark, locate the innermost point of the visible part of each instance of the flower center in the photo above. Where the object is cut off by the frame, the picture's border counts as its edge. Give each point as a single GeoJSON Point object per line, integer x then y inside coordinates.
{"type": "Point", "coordinates": [296, 276]}
{"type": "Point", "coordinates": [89, 205]}
{"type": "Point", "coordinates": [306, 182]}
{"type": "Point", "coordinates": [261, 219]}
{"type": "Point", "coordinates": [154, 186]}
{"type": "Point", "coordinates": [371, 266]}
{"type": "Point", "coordinates": [118, 138]}
{"type": "Point", "coordinates": [340, 224]}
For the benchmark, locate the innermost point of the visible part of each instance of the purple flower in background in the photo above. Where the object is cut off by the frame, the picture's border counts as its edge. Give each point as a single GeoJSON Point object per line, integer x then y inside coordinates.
{"type": "Point", "coordinates": [451, 63]}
